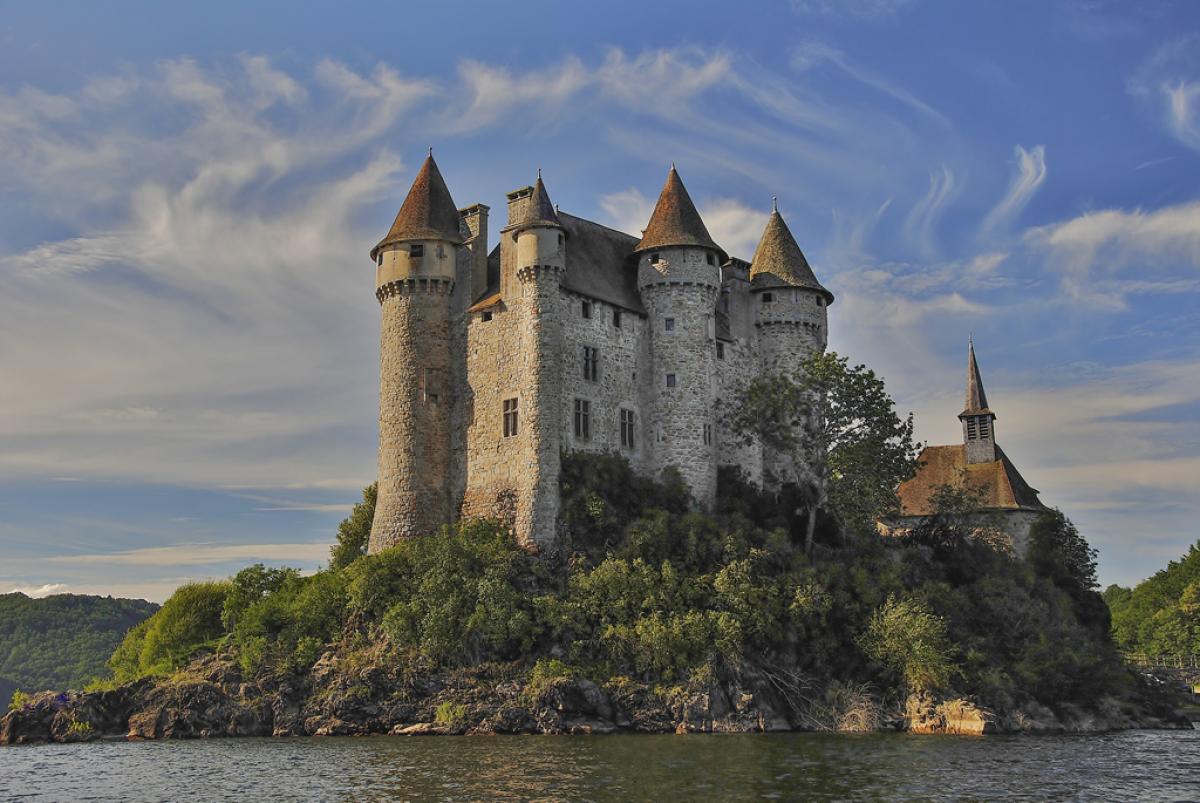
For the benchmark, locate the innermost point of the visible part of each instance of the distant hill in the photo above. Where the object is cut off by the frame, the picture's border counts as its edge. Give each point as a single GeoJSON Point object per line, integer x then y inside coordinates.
{"type": "Point", "coordinates": [7, 687]}
{"type": "Point", "coordinates": [62, 641]}
{"type": "Point", "coordinates": [1161, 615]}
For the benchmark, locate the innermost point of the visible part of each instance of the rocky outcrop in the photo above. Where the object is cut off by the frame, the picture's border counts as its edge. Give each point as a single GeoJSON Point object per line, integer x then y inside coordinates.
{"type": "Point", "coordinates": [371, 692]}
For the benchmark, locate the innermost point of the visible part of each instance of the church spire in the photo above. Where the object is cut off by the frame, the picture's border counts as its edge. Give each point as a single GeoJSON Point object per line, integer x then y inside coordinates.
{"type": "Point", "coordinates": [976, 399]}
{"type": "Point", "coordinates": [675, 220]}
{"type": "Point", "coordinates": [428, 211]}
{"type": "Point", "coordinates": [978, 421]}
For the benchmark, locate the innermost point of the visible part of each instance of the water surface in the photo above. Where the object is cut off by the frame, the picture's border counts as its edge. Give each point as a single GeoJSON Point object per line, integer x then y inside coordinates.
{"type": "Point", "coordinates": [1137, 765]}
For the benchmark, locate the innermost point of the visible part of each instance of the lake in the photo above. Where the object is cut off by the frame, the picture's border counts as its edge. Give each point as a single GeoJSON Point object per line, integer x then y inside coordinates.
{"type": "Point", "coordinates": [1135, 765]}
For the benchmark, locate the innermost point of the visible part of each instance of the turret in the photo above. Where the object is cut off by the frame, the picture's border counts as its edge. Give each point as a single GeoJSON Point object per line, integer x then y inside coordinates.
{"type": "Point", "coordinates": [536, 266]}
{"type": "Point", "coordinates": [789, 308]}
{"type": "Point", "coordinates": [415, 271]}
{"type": "Point", "coordinates": [679, 277]}
{"type": "Point", "coordinates": [978, 422]}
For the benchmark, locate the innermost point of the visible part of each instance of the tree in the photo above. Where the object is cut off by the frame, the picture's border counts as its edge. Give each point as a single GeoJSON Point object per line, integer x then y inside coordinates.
{"type": "Point", "coordinates": [842, 423]}
{"type": "Point", "coordinates": [905, 636]}
{"type": "Point", "coordinates": [354, 533]}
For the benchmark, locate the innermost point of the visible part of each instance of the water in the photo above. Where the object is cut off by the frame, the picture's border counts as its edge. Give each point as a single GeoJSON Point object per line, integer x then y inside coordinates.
{"type": "Point", "coordinates": [1137, 765]}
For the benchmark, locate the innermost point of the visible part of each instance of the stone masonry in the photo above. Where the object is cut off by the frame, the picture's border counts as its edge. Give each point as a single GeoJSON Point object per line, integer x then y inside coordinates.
{"type": "Point", "coordinates": [569, 336]}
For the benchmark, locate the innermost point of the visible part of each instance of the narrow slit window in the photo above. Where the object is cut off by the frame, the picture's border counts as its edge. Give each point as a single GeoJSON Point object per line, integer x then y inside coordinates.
{"type": "Point", "coordinates": [510, 418]}
{"type": "Point", "coordinates": [583, 419]}
{"type": "Point", "coordinates": [591, 363]}
{"type": "Point", "coordinates": [720, 351]}
{"type": "Point", "coordinates": [708, 434]}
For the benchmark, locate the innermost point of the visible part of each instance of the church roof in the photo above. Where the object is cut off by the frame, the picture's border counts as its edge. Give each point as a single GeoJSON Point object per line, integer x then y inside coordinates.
{"type": "Point", "coordinates": [1002, 485]}
{"type": "Point", "coordinates": [976, 403]}
{"type": "Point", "coordinates": [675, 220]}
{"type": "Point", "coordinates": [779, 262]}
{"type": "Point", "coordinates": [428, 211]}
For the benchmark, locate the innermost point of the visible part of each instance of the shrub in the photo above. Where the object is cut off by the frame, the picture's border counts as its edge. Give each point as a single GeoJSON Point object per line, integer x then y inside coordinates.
{"type": "Point", "coordinates": [906, 637]}
{"type": "Point", "coordinates": [451, 715]}
{"type": "Point", "coordinates": [287, 627]}
{"type": "Point", "coordinates": [19, 700]}
{"type": "Point", "coordinates": [188, 622]}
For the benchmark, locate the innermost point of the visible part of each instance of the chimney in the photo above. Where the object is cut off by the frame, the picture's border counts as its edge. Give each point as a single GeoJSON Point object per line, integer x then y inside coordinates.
{"type": "Point", "coordinates": [518, 204]}
{"type": "Point", "coordinates": [476, 220]}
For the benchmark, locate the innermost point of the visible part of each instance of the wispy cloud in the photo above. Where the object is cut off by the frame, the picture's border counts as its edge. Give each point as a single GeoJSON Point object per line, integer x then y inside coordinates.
{"type": "Point", "coordinates": [1029, 175]}
{"type": "Point", "coordinates": [203, 555]}
{"type": "Point", "coordinates": [1169, 82]}
{"type": "Point", "coordinates": [872, 10]}
{"type": "Point", "coordinates": [921, 223]}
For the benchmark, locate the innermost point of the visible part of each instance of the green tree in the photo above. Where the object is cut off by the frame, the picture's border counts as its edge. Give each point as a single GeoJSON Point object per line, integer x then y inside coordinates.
{"type": "Point", "coordinates": [905, 636]}
{"type": "Point", "coordinates": [187, 622]}
{"type": "Point", "coordinates": [354, 533]}
{"type": "Point", "coordinates": [841, 421]}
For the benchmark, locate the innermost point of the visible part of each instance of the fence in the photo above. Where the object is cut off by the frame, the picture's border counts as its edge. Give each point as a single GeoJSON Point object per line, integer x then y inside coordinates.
{"type": "Point", "coordinates": [1164, 661]}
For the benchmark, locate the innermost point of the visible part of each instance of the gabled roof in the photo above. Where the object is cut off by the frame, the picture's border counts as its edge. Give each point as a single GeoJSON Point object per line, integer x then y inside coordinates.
{"type": "Point", "coordinates": [779, 262]}
{"type": "Point", "coordinates": [428, 211]}
{"type": "Point", "coordinates": [976, 403]}
{"type": "Point", "coordinates": [1002, 486]}
{"type": "Point", "coordinates": [675, 220]}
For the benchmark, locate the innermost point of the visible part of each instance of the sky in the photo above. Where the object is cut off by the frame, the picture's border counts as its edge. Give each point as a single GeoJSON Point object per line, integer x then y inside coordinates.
{"type": "Point", "coordinates": [188, 195]}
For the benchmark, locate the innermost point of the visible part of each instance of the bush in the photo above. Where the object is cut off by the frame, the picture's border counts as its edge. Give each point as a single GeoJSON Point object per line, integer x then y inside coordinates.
{"type": "Point", "coordinates": [286, 628]}
{"type": "Point", "coordinates": [906, 637]}
{"type": "Point", "coordinates": [188, 622]}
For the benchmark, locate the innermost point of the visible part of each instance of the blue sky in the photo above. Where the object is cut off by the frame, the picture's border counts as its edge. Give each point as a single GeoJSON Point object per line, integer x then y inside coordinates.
{"type": "Point", "coordinates": [188, 333]}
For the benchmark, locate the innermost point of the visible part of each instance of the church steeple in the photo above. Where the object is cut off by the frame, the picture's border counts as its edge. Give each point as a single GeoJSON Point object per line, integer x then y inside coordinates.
{"type": "Point", "coordinates": [979, 427]}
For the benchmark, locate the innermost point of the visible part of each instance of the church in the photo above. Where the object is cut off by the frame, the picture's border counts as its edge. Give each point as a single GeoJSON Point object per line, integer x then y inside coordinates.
{"type": "Point", "coordinates": [1004, 502]}
{"type": "Point", "coordinates": [569, 336]}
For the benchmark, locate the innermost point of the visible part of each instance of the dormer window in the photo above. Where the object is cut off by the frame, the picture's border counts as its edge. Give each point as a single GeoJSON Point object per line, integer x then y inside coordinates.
{"type": "Point", "coordinates": [416, 251]}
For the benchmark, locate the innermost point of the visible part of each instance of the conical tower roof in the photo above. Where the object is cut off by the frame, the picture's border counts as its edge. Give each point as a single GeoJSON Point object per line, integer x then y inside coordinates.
{"type": "Point", "coordinates": [779, 262]}
{"type": "Point", "coordinates": [539, 211]}
{"type": "Point", "coordinates": [428, 212]}
{"type": "Point", "coordinates": [976, 403]}
{"type": "Point", "coordinates": [675, 220]}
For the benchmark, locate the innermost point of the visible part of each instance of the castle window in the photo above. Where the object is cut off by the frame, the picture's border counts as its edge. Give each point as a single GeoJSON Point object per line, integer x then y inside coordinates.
{"type": "Point", "coordinates": [670, 380]}
{"type": "Point", "coordinates": [617, 318]}
{"type": "Point", "coordinates": [767, 298]}
{"type": "Point", "coordinates": [586, 309]}
{"type": "Point", "coordinates": [560, 239]}
{"type": "Point", "coordinates": [583, 419]}
{"type": "Point", "coordinates": [379, 259]}
{"type": "Point", "coordinates": [720, 351]}
{"type": "Point", "coordinates": [820, 301]}
{"type": "Point", "coordinates": [429, 389]}
{"type": "Point", "coordinates": [416, 250]}
{"type": "Point", "coordinates": [708, 434]}
{"type": "Point", "coordinates": [708, 257]}
{"type": "Point", "coordinates": [487, 316]}
{"type": "Point", "coordinates": [591, 362]}
{"type": "Point", "coordinates": [654, 259]}
{"type": "Point", "coordinates": [627, 429]}
{"type": "Point", "coordinates": [669, 324]}
{"type": "Point", "coordinates": [510, 418]}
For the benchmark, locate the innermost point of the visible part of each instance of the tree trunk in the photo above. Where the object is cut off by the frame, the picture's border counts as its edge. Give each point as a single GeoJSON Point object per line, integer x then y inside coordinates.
{"type": "Point", "coordinates": [809, 529]}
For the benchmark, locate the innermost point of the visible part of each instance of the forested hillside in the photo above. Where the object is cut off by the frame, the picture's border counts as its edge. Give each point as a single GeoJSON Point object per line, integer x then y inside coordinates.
{"type": "Point", "coordinates": [62, 641]}
{"type": "Point", "coordinates": [1161, 615]}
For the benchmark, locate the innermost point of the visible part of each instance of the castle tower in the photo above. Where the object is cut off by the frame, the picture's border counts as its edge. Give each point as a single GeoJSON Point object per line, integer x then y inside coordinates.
{"type": "Point", "coordinates": [679, 277]}
{"type": "Point", "coordinates": [414, 278]}
{"type": "Point", "coordinates": [540, 265]}
{"type": "Point", "coordinates": [789, 317]}
{"type": "Point", "coordinates": [979, 427]}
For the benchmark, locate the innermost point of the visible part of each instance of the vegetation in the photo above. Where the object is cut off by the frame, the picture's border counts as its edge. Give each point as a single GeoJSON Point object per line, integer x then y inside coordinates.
{"type": "Point", "coordinates": [61, 641]}
{"type": "Point", "coordinates": [1161, 615]}
{"type": "Point", "coordinates": [354, 532]}
{"type": "Point", "coordinates": [645, 589]}
{"type": "Point", "coordinates": [842, 413]}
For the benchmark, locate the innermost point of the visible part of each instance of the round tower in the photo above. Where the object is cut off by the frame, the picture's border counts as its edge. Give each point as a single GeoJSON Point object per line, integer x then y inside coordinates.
{"type": "Point", "coordinates": [540, 241]}
{"type": "Point", "coordinates": [790, 319]}
{"type": "Point", "coordinates": [679, 278]}
{"type": "Point", "coordinates": [414, 279]}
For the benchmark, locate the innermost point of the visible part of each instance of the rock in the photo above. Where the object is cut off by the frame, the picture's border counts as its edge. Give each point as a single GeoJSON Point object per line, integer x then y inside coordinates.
{"type": "Point", "coordinates": [924, 714]}
{"type": "Point", "coordinates": [420, 729]}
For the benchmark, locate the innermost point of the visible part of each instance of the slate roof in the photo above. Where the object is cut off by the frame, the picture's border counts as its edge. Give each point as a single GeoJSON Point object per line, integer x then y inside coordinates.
{"type": "Point", "coordinates": [598, 266]}
{"type": "Point", "coordinates": [1003, 486]}
{"type": "Point", "coordinates": [976, 403]}
{"type": "Point", "coordinates": [779, 262]}
{"type": "Point", "coordinates": [675, 220]}
{"type": "Point", "coordinates": [428, 211]}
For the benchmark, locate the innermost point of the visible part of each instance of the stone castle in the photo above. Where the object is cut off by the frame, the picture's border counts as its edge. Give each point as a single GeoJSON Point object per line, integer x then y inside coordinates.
{"type": "Point", "coordinates": [568, 336]}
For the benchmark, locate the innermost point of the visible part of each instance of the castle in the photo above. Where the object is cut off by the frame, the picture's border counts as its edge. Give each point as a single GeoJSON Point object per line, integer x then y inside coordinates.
{"type": "Point", "coordinates": [568, 336]}
{"type": "Point", "coordinates": [1002, 500]}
